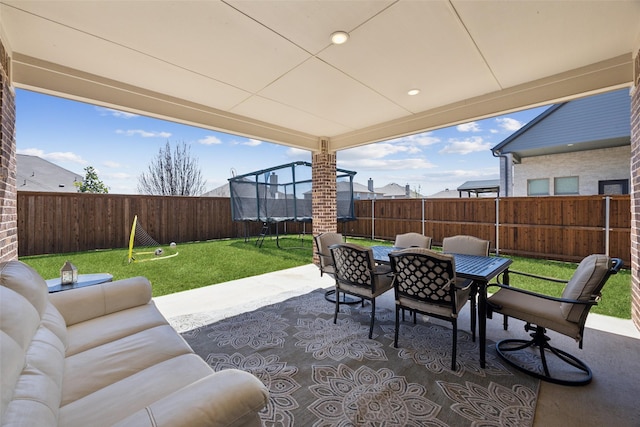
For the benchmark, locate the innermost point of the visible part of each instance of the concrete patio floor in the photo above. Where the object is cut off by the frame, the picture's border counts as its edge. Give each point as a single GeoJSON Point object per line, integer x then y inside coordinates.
{"type": "Point", "coordinates": [611, 345]}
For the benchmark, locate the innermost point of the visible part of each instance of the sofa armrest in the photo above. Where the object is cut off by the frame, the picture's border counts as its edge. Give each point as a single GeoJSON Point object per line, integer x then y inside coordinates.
{"type": "Point", "coordinates": [79, 305]}
{"type": "Point", "coordinates": [226, 398]}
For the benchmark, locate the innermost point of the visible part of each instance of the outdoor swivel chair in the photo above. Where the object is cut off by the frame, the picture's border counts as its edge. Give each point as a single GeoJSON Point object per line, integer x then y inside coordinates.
{"type": "Point", "coordinates": [412, 240]}
{"type": "Point", "coordinates": [357, 274]}
{"type": "Point", "coordinates": [566, 315]}
{"type": "Point", "coordinates": [425, 282]}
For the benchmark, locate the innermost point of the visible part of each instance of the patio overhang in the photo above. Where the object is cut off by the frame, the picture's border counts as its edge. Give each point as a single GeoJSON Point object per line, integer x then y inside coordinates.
{"type": "Point", "coordinates": [267, 70]}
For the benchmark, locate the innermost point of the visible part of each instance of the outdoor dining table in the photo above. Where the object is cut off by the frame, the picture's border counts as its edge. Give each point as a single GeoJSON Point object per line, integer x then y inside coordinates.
{"type": "Point", "coordinates": [480, 269]}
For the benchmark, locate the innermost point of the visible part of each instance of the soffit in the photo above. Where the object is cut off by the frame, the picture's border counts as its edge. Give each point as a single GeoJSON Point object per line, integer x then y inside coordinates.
{"type": "Point", "coordinates": [266, 69]}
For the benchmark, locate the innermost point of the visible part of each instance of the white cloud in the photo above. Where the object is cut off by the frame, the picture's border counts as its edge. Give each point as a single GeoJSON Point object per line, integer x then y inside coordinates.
{"type": "Point", "coordinates": [374, 151]}
{"type": "Point", "coordinates": [465, 146]}
{"type": "Point", "coordinates": [143, 133]}
{"type": "Point", "coordinates": [381, 164]}
{"type": "Point", "coordinates": [252, 142]}
{"type": "Point", "coordinates": [31, 152]}
{"type": "Point", "coordinates": [422, 139]}
{"type": "Point", "coordinates": [56, 156]}
{"type": "Point", "coordinates": [115, 113]}
{"type": "Point", "coordinates": [509, 124]}
{"type": "Point", "coordinates": [469, 127]}
{"type": "Point", "coordinates": [210, 140]}
{"type": "Point", "coordinates": [112, 164]}
{"type": "Point", "coordinates": [118, 176]}
{"type": "Point", "coordinates": [298, 154]}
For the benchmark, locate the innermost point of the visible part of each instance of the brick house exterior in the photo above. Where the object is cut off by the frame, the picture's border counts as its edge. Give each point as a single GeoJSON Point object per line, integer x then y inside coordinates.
{"type": "Point", "coordinates": [590, 166]}
{"type": "Point", "coordinates": [577, 147]}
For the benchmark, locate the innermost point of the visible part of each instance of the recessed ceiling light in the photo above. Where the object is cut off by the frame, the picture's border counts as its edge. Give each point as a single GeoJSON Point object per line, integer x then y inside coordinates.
{"type": "Point", "coordinates": [339, 37]}
{"type": "Point", "coordinates": [413, 92]}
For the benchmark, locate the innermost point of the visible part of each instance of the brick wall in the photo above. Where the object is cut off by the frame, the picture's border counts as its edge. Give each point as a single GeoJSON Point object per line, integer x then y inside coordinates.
{"type": "Point", "coordinates": [324, 204]}
{"type": "Point", "coordinates": [8, 195]}
{"type": "Point", "coordinates": [589, 166]}
{"type": "Point", "coordinates": [635, 202]}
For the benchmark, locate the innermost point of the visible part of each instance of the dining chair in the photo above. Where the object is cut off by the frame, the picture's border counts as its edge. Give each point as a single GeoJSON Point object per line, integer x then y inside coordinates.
{"type": "Point", "coordinates": [409, 240]}
{"type": "Point", "coordinates": [425, 282]}
{"type": "Point", "coordinates": [357, 274]}
{"type": "Point", "coordinates": [323, 241]}
{"type": "Point", "coordinates": [566, 315]}
{"type": "Point", "coordinates": [467, 245]}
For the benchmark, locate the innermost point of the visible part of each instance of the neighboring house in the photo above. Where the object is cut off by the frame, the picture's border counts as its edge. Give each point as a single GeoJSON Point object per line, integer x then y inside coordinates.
{"type": "Point", "coordinates": [577, 147]}
{"type": "Point", "coordinates": [37, 174]}
{"type": "Point", "coordinates": [447, 194]}
{"type": "Point", "coordinates": [396, 191]}
{"type": "Point", "coordinates": [360, 191]}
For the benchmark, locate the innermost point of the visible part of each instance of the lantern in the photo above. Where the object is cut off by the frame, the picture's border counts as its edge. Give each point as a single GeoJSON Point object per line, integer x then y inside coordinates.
{"type": "Point", "coordinates": [68, 274]}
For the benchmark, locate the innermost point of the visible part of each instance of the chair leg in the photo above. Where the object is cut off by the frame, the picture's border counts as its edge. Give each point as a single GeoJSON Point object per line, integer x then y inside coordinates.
{"type": "Point", "coordinates": [395, 339]}
{"type": "Point", "coordinates": [335, 314]}
{"type": "Point", "coordinates": [373, 316]}
{"type": "Point", "coordinates": [474, 314]}
{"type": "Point", "coordinates": [455, 345]}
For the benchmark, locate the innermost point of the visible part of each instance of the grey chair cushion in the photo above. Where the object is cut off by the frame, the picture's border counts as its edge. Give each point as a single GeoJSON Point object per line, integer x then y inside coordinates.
{"type": "Point", "coordinates": [408, 240]}
{"type": "Point", "coordinates": [468, 245]}
{"type": "Point", "coordinates": [584, 282]}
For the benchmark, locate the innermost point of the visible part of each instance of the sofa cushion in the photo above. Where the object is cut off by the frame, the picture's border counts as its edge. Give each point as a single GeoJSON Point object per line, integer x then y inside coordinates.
{"type": "Point", "coordinates": [120, 399]}
{"type": "Point", "coordinates": [96, 368]}
{"type": "Point", "coordinates": [82, 336]}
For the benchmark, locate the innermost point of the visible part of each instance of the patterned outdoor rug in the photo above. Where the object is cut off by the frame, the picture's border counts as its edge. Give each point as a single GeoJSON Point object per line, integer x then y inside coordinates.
{"type": "Point", "coordinates": [321, 374]}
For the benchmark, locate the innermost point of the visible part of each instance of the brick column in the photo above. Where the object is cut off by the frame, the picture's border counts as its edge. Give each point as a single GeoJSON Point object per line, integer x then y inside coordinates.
{"type": "Point", "coordinates": [8, 195]}
{"type": "Point", "coordinates": [324, 203]}
{"type": "Point", "coordinates": [635, 195]}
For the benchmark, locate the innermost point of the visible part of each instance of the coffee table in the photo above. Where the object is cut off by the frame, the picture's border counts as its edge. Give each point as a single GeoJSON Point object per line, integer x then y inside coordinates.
{"type": "Point", "coordinates": [83, 280]}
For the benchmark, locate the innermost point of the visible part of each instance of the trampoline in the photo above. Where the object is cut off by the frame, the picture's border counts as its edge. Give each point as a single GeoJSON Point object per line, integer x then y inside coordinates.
{"type": "Point", "coordinates": [284, 194]}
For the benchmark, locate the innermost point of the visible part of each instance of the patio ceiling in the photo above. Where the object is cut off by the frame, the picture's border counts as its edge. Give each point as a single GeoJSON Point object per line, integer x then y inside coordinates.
{"type": "Point", "coordinates": [267, 70]}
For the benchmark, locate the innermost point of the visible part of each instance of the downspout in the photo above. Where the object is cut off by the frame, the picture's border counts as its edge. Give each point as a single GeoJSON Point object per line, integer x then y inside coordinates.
{"type": "Point", "coordinates": [508, 164]}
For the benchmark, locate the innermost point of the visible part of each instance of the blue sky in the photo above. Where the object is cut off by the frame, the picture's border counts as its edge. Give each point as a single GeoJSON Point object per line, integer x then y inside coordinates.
{"type": "Point", "coordinates": [120, 146]}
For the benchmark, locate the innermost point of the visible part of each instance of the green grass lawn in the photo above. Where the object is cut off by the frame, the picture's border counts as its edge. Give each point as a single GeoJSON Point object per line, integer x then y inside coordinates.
{"type": "Point", "coordinates": [205, 263]}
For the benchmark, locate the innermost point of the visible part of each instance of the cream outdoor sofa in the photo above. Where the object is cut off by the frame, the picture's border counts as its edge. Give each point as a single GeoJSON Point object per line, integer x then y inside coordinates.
{"type": "Point", "coordinates": [104, 355]}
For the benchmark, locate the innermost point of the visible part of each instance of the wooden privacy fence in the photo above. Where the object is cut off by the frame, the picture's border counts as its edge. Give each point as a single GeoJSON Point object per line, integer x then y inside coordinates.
{"type": "Point", "coordinates": [563, 228]}
{"type": "Point", "coordinates": [72, 222]}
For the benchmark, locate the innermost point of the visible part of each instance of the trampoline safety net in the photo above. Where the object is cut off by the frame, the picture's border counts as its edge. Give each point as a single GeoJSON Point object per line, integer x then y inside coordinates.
{"type": "Point", "coordinates": [283, 193]}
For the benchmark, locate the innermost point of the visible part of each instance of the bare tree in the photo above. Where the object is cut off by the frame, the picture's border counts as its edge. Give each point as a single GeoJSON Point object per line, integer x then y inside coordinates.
{"type": "Point", "coordinates": [172, 174]}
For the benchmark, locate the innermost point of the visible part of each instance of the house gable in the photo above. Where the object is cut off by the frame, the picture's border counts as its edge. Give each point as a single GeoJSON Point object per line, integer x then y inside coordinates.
{"type": "Point", "coordinates": [37, 174]}
{"type": "Point", "coordinates": [594, 122]}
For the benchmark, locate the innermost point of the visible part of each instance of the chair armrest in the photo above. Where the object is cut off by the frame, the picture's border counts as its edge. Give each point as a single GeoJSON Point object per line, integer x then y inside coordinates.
{"type": "Point", "coordinates": [81, 304]}
{"type": "Point", "coordinates": [543, 296]}
{"type": "Point", "coordinates": [535, 276]}
{"type": "Point", "coordinates": [382, 270]}
{"type": "Point", "coordinates": [226, 398]}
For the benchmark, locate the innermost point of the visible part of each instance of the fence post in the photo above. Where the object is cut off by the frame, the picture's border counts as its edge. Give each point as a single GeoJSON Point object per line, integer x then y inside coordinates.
{"type": "Point", "coordinates": [422, 216]}
{"type": "Point", "coordinates": [607, 207]}
{"type": "Point", "coordinates": [497, 225]}
{"type": "Point", "coordinates": [373, 219]}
